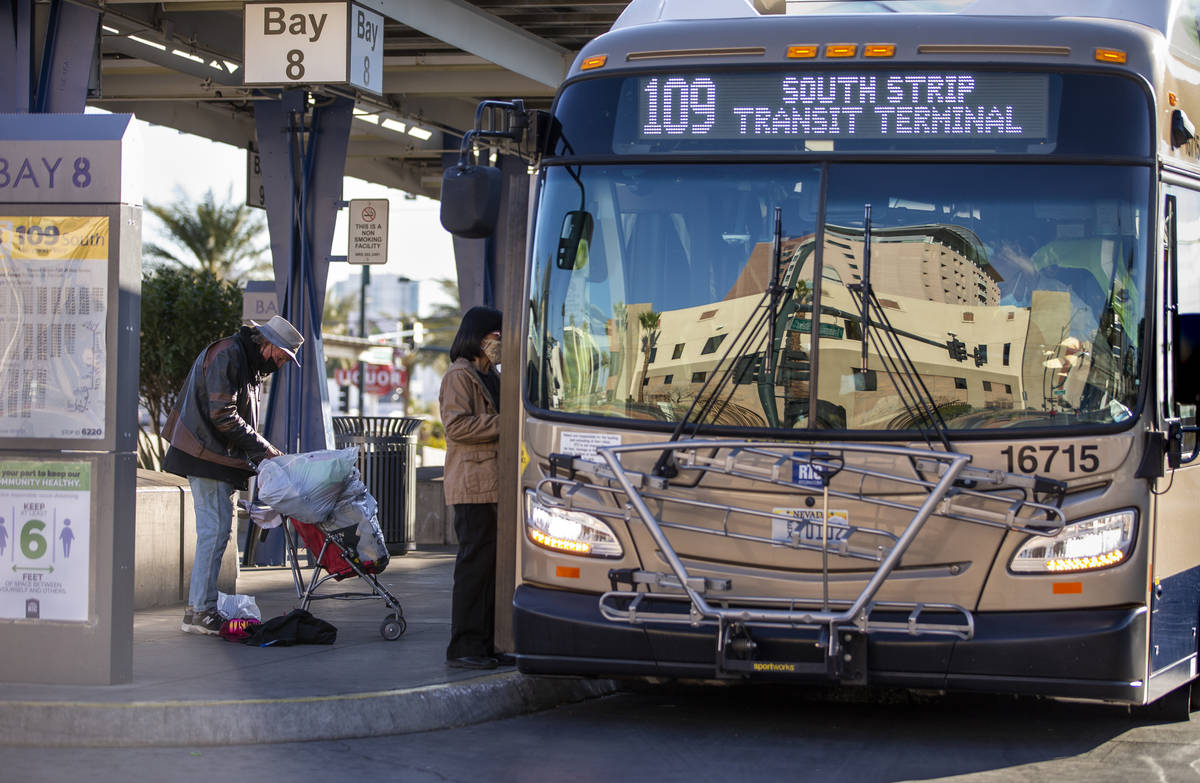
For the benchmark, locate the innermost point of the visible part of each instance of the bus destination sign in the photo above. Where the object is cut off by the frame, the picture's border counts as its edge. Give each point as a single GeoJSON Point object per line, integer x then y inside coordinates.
{"type": "Point", "coordinates": [843, 105]}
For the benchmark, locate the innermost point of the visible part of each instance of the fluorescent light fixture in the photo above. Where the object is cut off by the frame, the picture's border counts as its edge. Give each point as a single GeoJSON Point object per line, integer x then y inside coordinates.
{"type": "Point", "coordinates": [393, 125]}
{"type": "Point", "coordinates": [144, 42]}
{"type": "Point", "coordinates": [188, 56]}
{"type": "Point", "coordinates": [420, 133]}
{"type": "Point", "coordinates": [110, 30]}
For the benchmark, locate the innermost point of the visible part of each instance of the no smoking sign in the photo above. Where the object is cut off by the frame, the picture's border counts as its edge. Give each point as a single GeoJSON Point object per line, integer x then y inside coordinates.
{"type": "Point", "coordinates": [368, 231]}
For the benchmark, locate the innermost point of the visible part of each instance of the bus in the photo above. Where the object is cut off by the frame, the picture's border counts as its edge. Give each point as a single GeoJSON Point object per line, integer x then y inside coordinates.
{"type": "Point", "coordinates": [856, 347]}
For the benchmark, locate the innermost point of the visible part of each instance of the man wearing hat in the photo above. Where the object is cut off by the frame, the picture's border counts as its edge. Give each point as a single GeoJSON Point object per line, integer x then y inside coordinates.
{"type": "Point", "coordinates": [216, 446]}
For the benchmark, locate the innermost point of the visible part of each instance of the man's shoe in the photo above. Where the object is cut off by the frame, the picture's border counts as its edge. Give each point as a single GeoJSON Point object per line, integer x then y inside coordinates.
{"type": "Point", "coordinates": [472, 662]}
{"type": "Point", "coordinates": [505, 659]}
{"type": "Point", "coordinates": [205, 623]}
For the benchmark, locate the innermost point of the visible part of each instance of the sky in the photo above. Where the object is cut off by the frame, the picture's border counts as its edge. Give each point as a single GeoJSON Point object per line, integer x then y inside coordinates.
{"type": "Point", "coordinates": [418, 246]}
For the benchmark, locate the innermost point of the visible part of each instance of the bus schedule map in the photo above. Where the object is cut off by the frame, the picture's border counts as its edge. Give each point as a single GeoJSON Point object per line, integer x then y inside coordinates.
{"type": "Point", "coordinates": [53, 296]}
{"type": "Point", "coordinates": [843, 105]}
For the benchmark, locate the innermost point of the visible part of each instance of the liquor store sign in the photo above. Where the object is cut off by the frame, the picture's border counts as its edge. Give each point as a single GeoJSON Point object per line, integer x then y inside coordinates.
{"type": "Point", "coordinates": [313, 43]}
{"type": "Point", "coordinates": [381, 379]}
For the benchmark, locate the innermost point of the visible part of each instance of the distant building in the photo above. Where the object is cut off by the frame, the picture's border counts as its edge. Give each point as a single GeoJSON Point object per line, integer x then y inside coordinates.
{"type": "Point", "coordinates": [391, 299]}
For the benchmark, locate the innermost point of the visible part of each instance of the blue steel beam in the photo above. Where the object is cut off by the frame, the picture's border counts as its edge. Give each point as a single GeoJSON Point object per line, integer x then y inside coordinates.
{"type": "Point", "coordinates": [16, 55]}
{"type": "Point", "coordinates": [302, 149]}
{"type": "Point", "coordinates": [71, 33]}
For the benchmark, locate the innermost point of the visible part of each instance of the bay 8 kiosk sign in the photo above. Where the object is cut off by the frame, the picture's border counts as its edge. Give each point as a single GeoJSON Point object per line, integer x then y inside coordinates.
{"type": "Point", "coordinates": [45, 510]}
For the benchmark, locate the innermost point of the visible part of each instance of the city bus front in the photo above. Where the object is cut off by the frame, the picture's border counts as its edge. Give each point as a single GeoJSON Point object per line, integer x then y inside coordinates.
{"type": "Point", "coordinates": [835, 367]}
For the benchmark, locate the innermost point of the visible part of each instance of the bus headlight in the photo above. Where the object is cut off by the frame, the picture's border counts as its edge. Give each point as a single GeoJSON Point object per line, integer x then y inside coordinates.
{"type": "Point", "coordinates": [1099, 542]}
{"type": "Point", "coordinates": [572, 532]}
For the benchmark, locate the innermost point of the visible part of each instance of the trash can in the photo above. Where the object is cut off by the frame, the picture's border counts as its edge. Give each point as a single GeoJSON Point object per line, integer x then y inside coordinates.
{"type": "Point", "coordinates": [387, 460]}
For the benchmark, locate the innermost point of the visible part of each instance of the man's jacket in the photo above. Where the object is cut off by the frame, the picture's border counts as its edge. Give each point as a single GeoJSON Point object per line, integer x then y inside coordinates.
{"type": "Point", "coordinates": [472, 425]}
{"type": "Point", "coordinates": [216, 414]}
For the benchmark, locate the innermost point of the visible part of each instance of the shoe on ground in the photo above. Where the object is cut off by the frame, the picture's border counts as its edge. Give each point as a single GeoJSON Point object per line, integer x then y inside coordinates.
{"type": "Point", "coordinates": [505, 659]}
{"type": "Point", "coordinates": [472, 662]}
{"type": "Point", "coordinates": [206, 623]}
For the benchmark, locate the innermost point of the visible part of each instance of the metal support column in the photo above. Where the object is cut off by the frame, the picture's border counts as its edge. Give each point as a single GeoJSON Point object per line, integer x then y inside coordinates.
{"type": "Point", "coordinates": [16, 56]}
{"type": "Point", "coordinates": [68, 57]}
{"type": "Point", "coordinates": [509, 243]}
{"type": "Point", "coordinates": [302, 148]}
{"type": "Point", "coordinates": [67, 52]}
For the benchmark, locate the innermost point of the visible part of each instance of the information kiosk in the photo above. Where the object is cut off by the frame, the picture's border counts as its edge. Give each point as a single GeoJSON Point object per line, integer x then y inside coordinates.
{"type": "Point", "coordinates": [70, 284]}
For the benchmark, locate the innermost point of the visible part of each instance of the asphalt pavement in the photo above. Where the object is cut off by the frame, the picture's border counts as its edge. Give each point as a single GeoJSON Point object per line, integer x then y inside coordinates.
{"type": "Point", "coordinates": [199, 690]}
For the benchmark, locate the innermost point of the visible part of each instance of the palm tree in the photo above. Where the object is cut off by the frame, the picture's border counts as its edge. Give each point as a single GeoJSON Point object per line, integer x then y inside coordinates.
{"type": "Point", "coordinates": [217, 237]}
{"type": "Point", "coordinates": [649, 322]}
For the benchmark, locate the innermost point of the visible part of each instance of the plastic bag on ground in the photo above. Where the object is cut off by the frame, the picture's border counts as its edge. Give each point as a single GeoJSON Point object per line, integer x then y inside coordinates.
{"type": "Point", "coordinates": [306, 486]}
{"type": "Point", "coordinates": [233, 607]}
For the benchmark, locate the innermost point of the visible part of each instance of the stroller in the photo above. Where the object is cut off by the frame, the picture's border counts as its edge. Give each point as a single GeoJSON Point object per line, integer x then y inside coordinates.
{"type": "Point", "coordinates": [331, 553]}
{"type": "Point", "coordinates": [323, 505]}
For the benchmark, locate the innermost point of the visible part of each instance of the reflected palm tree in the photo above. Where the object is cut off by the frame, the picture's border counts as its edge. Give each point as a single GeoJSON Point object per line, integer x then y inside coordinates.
{"type": "Point", "coordinates": [649, 322]}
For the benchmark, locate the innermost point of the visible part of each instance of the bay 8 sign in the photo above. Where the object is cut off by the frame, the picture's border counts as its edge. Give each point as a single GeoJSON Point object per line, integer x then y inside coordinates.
{"type": "Point", "coordinates": [313, 43]}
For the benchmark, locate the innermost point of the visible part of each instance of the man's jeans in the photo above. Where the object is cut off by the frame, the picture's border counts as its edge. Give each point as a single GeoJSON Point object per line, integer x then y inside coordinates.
{"type": "Point", "coordinates": [213, 501]}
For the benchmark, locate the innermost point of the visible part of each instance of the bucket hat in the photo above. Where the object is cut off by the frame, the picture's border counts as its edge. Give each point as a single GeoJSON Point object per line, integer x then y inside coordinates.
{"type": "Point", "coordinates": [280, 333]}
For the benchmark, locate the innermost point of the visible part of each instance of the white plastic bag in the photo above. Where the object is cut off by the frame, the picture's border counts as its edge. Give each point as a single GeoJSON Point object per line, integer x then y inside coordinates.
{"type": "Point", "coordinates": [306, 486]}
{"type": "Point", "coordinates": [233, 606]}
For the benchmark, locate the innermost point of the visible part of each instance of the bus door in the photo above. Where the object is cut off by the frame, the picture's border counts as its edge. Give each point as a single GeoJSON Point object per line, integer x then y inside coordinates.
{"type": "Point", "coordinates": [1175, 586]}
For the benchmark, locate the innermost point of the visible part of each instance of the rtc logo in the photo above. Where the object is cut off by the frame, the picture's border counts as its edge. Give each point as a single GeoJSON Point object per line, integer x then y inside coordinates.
{"type": "Point", "coordinates": [381, 379]}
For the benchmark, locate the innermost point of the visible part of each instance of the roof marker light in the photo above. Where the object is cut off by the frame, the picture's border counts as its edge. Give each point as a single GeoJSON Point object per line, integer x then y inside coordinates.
{"type": "Point", "coordinates": [879, 50]}
{"type": "Point", "coordinates": [802, 51]}
{"type": "Point", "coordinates": [595, 61]}
{"type": "Point", "coordinates": [841, 50]}
{"type": "Point", "coordinates": [1110, 56]}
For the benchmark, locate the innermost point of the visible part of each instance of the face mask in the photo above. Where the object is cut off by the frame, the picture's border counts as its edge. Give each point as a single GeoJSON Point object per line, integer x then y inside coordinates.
{"type": "Point", "coordinates": [491, 349]}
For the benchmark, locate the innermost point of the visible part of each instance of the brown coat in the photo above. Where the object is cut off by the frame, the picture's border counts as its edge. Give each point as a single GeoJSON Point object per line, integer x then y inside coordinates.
{"type": "Point", "coordinates": [472, 436]}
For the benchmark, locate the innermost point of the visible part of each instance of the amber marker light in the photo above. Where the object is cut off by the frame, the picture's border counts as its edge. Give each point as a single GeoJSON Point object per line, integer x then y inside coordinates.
{"type": "Point", "coordinates": [561, 544]}
{"type": "Point", "coordinates": [1110, 56]}
{"type": "Point", "coordinates": [566, 572]}
{"type": "Point", "coordinates": [1172, 99]}
{"type": "Point", "coordinates": [595, 61]}
{"type": "Point", "coordinates": [879, 50]}
{"type": "Point", "coordinates": [1086, 563]}
{"type": "Point", "coordinates": [802, 51]}
{"type": "Point", "coordinates": [841, 50]}
{"type": "Point", "coordinates": [1067, 588]}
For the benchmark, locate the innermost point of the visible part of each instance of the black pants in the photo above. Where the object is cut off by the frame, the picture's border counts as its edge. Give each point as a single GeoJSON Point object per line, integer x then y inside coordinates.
{"type": "Point", "coordinates": [473, 609]}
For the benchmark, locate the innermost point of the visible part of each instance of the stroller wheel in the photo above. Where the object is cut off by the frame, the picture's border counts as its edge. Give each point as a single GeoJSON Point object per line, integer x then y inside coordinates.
{"type": "Point", "coordinates": [393, 627]}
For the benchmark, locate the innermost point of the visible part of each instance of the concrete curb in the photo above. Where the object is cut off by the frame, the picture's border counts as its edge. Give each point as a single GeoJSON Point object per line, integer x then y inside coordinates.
{"type": "Point", "coordinates": [254, 721]}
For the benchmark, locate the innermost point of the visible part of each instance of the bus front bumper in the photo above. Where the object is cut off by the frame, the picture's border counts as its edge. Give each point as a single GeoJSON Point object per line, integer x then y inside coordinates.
{"type": "Point", "coordinates": [1087, 653]}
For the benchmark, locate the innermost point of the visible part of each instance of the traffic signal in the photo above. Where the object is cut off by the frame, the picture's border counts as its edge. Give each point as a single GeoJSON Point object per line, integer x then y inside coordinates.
{"type": "Point", "coordinates": [957, 349]}
{"type": "Point", "coordinates": [344, 399]}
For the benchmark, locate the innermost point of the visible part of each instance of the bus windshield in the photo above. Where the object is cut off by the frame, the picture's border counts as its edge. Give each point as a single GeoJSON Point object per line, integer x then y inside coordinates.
{"type": "Point", "coordinates": [1017, 290]}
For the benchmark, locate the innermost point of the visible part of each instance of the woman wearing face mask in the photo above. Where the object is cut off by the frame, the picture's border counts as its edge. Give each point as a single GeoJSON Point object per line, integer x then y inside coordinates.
{"type": "Point", "coordinates": [470, 408]}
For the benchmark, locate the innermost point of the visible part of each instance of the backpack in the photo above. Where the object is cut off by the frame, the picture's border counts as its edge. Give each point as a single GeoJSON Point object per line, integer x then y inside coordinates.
{"type": "Point", "coordinates": [295, 627]}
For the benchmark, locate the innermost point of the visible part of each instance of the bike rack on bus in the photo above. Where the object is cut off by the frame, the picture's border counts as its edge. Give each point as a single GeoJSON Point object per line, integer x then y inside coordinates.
{"type": "Point", "coordinates": [920, 482]}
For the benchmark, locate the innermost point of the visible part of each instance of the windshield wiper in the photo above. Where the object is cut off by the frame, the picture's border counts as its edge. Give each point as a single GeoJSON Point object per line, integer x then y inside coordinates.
{"type": "Point", "coordinates": [747, 342]}
{"type": "Point", "coordinates": [914, 395]}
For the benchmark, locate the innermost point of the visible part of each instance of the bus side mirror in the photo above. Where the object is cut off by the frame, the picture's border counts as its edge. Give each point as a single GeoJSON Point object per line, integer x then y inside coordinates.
{"type": "Point", "coordinates": [470, 200]}
{"type": "Point", "coordinates": [574, 240]}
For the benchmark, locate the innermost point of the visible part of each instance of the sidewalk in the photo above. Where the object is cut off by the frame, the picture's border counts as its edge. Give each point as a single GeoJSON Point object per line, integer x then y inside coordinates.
{"type": "Point", "coordinates": [195, 690]}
